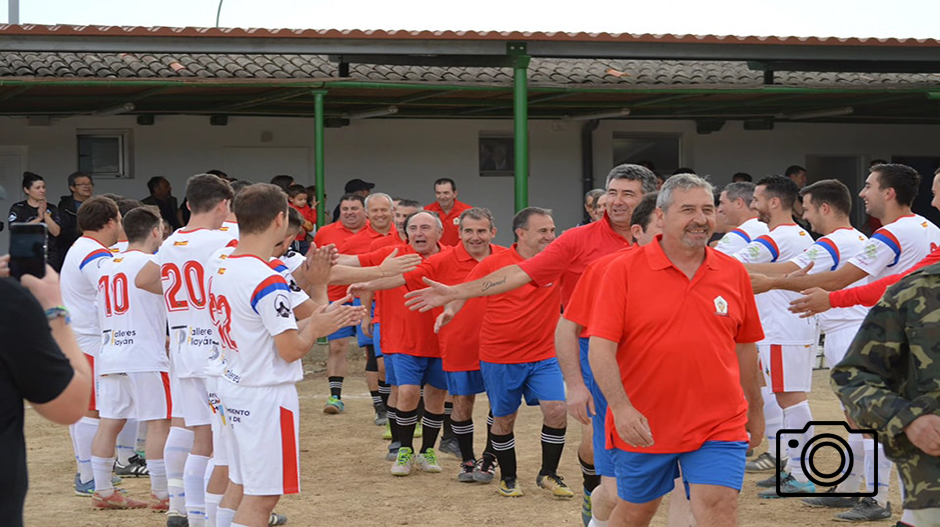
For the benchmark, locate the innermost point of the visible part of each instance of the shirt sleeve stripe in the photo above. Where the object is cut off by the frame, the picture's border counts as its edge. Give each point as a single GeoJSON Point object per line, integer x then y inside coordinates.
{"type": "Point", "coordinates": [94, 255]}
{"type": "Point", "coordinates": [889, 239]}
{"type": "Point", "coordinates": [771, 245]}
{"type": "Point", "coordinates": [739, 232]}
{"type": "Point", "coordinates": [833, 250]}
{"type": "Point", "coordinates": [278, 265]}
{"type": "Point", "coordinates": [270, 285]}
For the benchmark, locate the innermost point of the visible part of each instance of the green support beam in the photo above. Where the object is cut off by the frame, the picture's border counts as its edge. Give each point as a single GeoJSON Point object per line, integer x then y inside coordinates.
{"type": "Point", "coordinates": [520, 112]}
{"type": "Point", "coordinates": [318, 151]}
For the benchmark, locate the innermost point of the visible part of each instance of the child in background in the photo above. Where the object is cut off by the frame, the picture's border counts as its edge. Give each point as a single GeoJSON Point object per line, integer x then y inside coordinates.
{"type": "Point", "coordinates": [297, 198]}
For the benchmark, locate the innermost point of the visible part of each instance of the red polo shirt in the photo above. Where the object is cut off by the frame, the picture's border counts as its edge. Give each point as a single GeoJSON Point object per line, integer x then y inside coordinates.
{"type": "Point", "coordinates": [590, 286]}
{"type": "Point", "coordinates": [336, 234]}
{"type": "Point", "coordinates": [566, 258]}
{"type": "Point", "coordinates": [392, 240]}
{"type": "Point", "coordinates": [450, 221]}
{"type": "Point", "coordinates": [518, 326]}
{"type": "Point", "coordinates": [460, 339]}
{"type": "Point", "coordinates": [403, 330]}
{"type": "Point", "coordinates": [676, 345]}
{"type": "Point", "coordinates": [361, 241]}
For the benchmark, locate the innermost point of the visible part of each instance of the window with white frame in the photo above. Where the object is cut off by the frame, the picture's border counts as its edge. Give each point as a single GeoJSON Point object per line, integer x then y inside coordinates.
{"type": "Point", "coordinates": [105, 153]}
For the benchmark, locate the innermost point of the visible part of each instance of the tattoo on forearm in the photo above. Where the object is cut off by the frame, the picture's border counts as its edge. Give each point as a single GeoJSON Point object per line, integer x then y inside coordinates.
{"type": "Point", "coordinates": [487, 285]}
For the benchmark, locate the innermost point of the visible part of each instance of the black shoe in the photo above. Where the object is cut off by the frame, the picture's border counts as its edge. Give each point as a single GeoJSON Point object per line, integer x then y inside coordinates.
{"type": "Point", "coordinates": [449, 445]}
{"type": "Point", "coordinates": [867, 510]}
{"type": "Point", "coordinates": [834, 502]}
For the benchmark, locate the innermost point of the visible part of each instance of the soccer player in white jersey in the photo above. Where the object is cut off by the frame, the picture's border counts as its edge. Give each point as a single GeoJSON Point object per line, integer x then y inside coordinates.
{"type": "Point", "coordinates": [905, 239]}
{"type": "Point", "coordinates": [132, 364]}
{"type": "Point", "coordinates": [740, 220]}
{"type": "Point", "coordinates": [263, 347]}
{"type": "Point", "coordinates": [100, 222]}
{"type": "Point", "coordinates": [788, 348]}
{"type": "Point", "coordinates": [179, 274]}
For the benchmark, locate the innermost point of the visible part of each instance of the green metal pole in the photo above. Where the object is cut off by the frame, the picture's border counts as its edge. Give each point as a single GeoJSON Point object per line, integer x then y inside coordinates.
{"type": "Point", "coordinates": [318, 170]}
{"type": "Point", "coordinates": [520, 108]}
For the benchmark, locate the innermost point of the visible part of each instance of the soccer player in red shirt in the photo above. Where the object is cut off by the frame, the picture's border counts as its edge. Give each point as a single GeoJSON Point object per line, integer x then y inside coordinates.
{"type": "Point", "coordinates": [638, 356]}
{"type": "Point", "coordinates": [352, 219]}
{"type": "Point", "coordinates": [448, 208]}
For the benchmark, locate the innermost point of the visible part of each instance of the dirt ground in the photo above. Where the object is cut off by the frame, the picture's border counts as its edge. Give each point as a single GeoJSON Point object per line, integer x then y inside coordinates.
{"type": "Point", "coordinates": [345, 479]}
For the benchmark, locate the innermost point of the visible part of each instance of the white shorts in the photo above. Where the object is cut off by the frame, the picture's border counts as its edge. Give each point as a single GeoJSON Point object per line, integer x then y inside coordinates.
{"type": "Point", "coordinates": [837, 343]}
{"type": "Point", "coordinates": [221, 432]}
{"type": "Point", "coordinates": [144, 396]}
{"type": "Point", "coordinates": [90, 346]}
{"type": "Point", "coordinates": [264, 455]}
{"type": "Point", "coordinates": [787, 367]}
{"type": "Point", "coordinates": [190, 401]}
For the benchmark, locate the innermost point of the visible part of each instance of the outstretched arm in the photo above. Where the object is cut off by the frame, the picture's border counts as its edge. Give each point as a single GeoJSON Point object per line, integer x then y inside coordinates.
{"type": "Point", "coordinates": [498, 282]}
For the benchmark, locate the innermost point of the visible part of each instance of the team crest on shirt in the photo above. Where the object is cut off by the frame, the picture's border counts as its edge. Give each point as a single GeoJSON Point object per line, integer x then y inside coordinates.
{"type": "Point", "coordinates": [721, 306]}
{"type": "Point", "coordinates": [456, 221]}
{"type": "Point", "coordinates": [282, 306]}
{"type": "Point", "coordinates": [180, 244]}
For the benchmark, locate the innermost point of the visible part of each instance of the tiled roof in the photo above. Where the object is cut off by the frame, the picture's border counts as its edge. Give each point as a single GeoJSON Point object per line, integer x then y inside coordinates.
{"type": "Point", "coordinates": [128, 31]}
{"type": "Point", "coordinates": [547, 72]}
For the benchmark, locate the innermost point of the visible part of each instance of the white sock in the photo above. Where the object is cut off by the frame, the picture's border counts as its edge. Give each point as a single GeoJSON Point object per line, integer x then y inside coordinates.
{"type": "Point", "coordinates": [141, 436]}
{"type": "Point", "coordinates": [78, 463]}
{"type": "Point", "coordinates": [210, 467]}
{"type": "Point", "coordinates": [884, 477]}
{"type": "Point", "coordinates": [157, 468]}
{"type": "Point", "coordinates": [85, 430]}
{"type": "Point", "coordinates": [238, 525]}
{"type": "Point", "coordinates": [597, 523]}
{"type": "Point", "coordinates": [212, 506]}
{"type": "Point", "coordinates": [194, 483]}
{"type": "Point", "coordinates": [796, 417]}
{"type": "Point", "coordinates": [773, 419]}
{"type": "Point", "coordinates": [224, 517]}
{"type": "Point", "coordinates": [127, 442]}
{"type": "Point", "coordinates": [178, 444]}
{"type": "Point", "coordinates": [852, 482]}
{"type": "Point", "coordinates": [102, 467]}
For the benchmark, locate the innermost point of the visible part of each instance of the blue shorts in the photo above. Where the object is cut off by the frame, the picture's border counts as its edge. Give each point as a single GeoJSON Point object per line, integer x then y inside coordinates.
{"type": "Point", "coordinates": [361, 337]}
{"type": "Point", "coordinates": [642, 478]}
{"type": "Point", "coordinates": [418, 371]}
{"type": "Point", "coordinates": [342, 333]}
{"type": "Point", "coordinates": [464, 382]}
{"type": "Point", "coordinates": [507, 384]}
{"type": "Point", "coordinates": [603, 458]}
{"type": "Point", "coordinates": [389, 360]}
{"type": "Point", "coordinates": [376, 340]}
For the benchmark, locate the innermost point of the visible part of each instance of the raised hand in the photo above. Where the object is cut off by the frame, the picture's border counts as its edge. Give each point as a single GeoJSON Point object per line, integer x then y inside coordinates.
{"type": "Point", "coordinates": [317, 266]}
{"type": "Point", "coordinates": [813, 302]}
{"type": "Point", "coordinates": [426, 299]}
{"type": "Point", "coordinates": [394, 264]}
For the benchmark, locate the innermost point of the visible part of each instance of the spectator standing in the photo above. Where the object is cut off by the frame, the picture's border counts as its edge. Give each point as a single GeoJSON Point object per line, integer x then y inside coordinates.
{"type": "Point", "coordinates": [161, 195]}
{"type": "Point", "coordinates": [82, 187]}
{"type": "Point", "coordinates": [448, 208]}
{"type": "Point", "coordinates": [35, 209]}
{"type": "Point", "coordinates": [299, 199]}
{"type": "Point", "coordinates": [357, 187]}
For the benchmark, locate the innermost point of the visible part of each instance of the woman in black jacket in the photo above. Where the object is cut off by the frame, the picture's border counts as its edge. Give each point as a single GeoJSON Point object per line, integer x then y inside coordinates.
{"type": "Point", "coordinates": [35, 209]}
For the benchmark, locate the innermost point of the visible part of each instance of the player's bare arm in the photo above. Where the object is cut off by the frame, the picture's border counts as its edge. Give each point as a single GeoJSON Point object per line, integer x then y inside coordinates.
{"type": "Point", "coordinates": [450, 311]}
{"type": "Point", "coordinates": [498, 282]}
{"type": "Point", "coordinates": [294, 344]}
{"type": "Point", "coordinates": [813, 302]}
{"type": "Point", "coordinates": [750, 383]}
{"type": "Point", "coordinates": [828, 280]}
{"type": "Point", "coordinates": [392, 265]}
{"type": "Point", "coordinates": [772, 269]}
{"type": "Point", "coordinates": [367, 326]}
{"type": "Point", "coordinates": [632, 426]}
{"type": "Point", "coordinates": [148, 279]}
{"type": "Point", "coordinates": [580, 402]}
{"type": "Point", "coordinates": [381, 284]}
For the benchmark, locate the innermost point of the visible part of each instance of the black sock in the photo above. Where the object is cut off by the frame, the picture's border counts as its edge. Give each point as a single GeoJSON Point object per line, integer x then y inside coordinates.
{"type": "Point", "coordinates": [464, 432]}
{"type": "Point", "coordinates": [448, 431]}
{"type": "Point", "coordinates": [393, 422]}
{"type": "Point", "coordinates": [489, 434]}
{"type": "Point", "coordinates": [384, 391]}
{"type": "Point", "coordinates": [505, 448]}
{"type": "Point", "coordinates": [420, 408]}
{"type": "Point", "coordinates": [376, 400]}
{"type": "Point", "coordinates": [432, 427]}
{"type": "Point", "coordinates": [406, 427]}
{"type": "Point", "coordinates": [336, 386]}
{"type": "Point", "coordinates": [553, 443]}
{"type": "Point", "coordinates": [591, 478]}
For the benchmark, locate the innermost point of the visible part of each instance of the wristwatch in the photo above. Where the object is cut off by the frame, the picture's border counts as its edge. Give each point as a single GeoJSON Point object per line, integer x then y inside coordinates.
{"type": "Point", "coordinates": [58, 311]}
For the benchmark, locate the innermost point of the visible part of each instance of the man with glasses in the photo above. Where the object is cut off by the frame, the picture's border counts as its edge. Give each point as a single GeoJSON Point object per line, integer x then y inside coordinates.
{"type": "Point", "coordinates": [82, 187]}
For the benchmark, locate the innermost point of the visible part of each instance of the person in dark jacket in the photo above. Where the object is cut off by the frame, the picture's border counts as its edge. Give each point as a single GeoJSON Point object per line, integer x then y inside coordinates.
{"type": "Point", "coordinates": [82, 187]}
{"type": "Point", "coordinates": [35, 209]}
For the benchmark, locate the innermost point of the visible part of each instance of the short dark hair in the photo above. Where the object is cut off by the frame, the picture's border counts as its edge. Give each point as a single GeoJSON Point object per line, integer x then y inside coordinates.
{"type": "Point", "coordinates": [205, 191]}
{"type": "Point", "coordinates": [793, 170]}
{"type": "Point", "coordinates": [216, 172]}
{"type": "Point", "coordinates": [126, 205]}
{"type": "Point", "coordinates": [877, 162]}
{"type": "Point", "coordinates": [153, 182]}
{"type": "Point", "coordinates": [294, 220]}
{"type": "Point", "coordinates": [643, 213]}
{"type": "Point", "coordinates": [258, 205]}
{"type": "Point", "coordinates": [239, 185]}
{"type": "Point", "coordinates": [75, 175]}
{"type": "Point", "coordinates": [683, 170]}
{"type": "Point", "coordinates": [113, 196]}
{"type": "Point", "coordinates": [96, 212]}
{"type": "Point", "coordinates": [521, 219]}
{"type": "Point", "coordinates": [284, 181]}
{"type": "Point", "coordinates": [140, 222]}
{"type": "Point", "coordinates": [741, 177]}
{"type": "Point", "coordinates": [294, 190]}
{"type": "Point", "coordinates": [409, 203]}
{"type": "Point", "coordinates": [477, 213]}
{"type": "Point", "coordinates": [781, 187]}
{"type": "Point", "coordinates": [353, 197]}
{"type": "Point", "coordinates": [830, 191]}
{"type": "Point", "coordinates": [29, 178]}
{"type": "Point", "coordinates": [441, 181]}
{"type": "Point", "coordinates": [903, 179]}
{"type": "Point", "coordinates": [740, 190]}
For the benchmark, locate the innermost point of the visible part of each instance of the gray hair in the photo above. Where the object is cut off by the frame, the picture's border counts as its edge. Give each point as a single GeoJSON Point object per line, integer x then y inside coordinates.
{"type": "Point", "coordinates": [683, 182]}
{"type": "Point", "coordinates": [593, 195]}
{"type": "Point", "coordinates": [478, 213]}
{"type": "Point", "coordinates": [431, 213]}
{"type": "Point", "coordinates": [740, 190]}
{"type": "Point", "coordinates": [374, 195]}
{"type": "Point", "coordinates": [634, 173]}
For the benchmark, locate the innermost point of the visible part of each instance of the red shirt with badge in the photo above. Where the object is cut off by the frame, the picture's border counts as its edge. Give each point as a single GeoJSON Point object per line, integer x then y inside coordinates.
{"type": "Point", "coordinates": [451, 236]}
{"type": "Point", "coordinates": [676, 341]}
